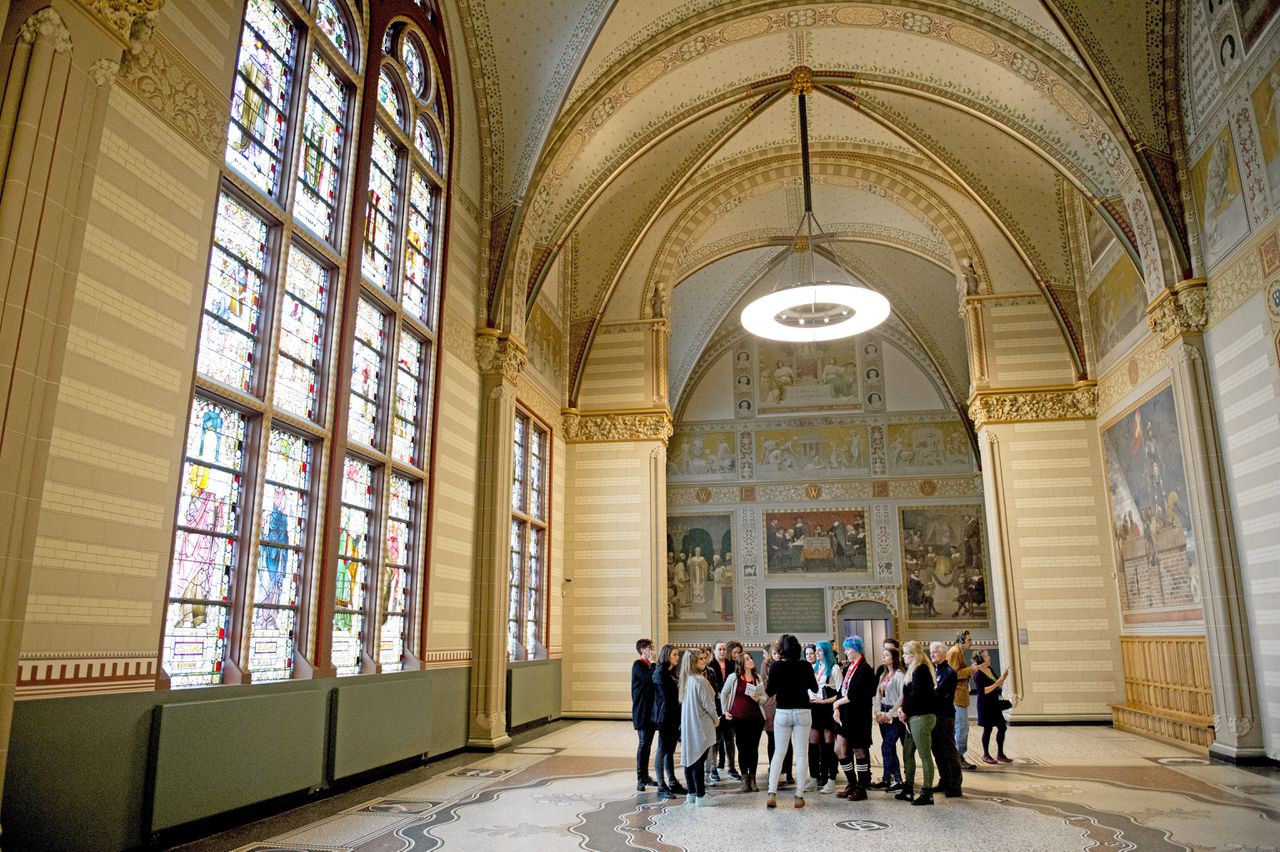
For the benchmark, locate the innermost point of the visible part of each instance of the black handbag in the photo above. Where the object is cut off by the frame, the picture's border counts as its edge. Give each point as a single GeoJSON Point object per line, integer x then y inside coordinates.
{"type": "Point", "coordinates": [1004, 704]}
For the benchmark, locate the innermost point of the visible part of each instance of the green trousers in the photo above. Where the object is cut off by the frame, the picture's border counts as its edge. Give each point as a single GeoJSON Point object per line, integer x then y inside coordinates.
{"type": "Point", "coordinates": [919, 735]}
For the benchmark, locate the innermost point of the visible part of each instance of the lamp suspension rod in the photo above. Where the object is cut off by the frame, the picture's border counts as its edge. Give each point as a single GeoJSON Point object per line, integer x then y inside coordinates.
{"type": "Point", "coordinates": [804, 154]}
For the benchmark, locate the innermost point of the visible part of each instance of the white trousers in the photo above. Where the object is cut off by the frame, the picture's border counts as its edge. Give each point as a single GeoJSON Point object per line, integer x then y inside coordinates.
{"type": "Point", "coordinates": [795, 725]}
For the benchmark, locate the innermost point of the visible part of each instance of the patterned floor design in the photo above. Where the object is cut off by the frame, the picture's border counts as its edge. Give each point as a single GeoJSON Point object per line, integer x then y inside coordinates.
{"type": "Point", "coordinates": [1069, 788]}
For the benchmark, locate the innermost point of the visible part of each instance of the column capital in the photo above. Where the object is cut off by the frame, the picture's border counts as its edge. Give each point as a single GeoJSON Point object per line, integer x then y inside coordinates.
{"type": "Point", "coordinates": [587, 427]}
{"type": "Point", "coordinates": [498, 353]}
{"type": "Point", "coordinates": [46, 24]}
{"type": "Point", "coordinates": [117, 17]}
{"type": "Point", "coordinates": [1078, 402]}
{"type": "Point", "coordinates": [1180, 310]}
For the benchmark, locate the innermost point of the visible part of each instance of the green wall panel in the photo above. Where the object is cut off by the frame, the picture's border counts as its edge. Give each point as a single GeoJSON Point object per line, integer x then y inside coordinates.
{"type": "Point", "coordinates": [533, 692]}
{"type": "Point", "coordinates": [379, 723]}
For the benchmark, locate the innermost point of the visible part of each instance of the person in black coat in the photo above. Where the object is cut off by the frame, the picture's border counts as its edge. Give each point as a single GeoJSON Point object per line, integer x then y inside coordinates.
{"type": "Point", "coordinates": [642, 710]}
{"type": "Point", "coordinates": [943, 742]}
{"type": "Point", "coordinates": [853, 711]}
{"type": "Point", "coordinates": [666, 717]}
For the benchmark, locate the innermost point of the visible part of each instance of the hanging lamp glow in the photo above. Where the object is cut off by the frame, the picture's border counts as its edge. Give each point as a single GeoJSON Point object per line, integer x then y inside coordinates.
{"type": "Point", "coordinates": [811, 309]}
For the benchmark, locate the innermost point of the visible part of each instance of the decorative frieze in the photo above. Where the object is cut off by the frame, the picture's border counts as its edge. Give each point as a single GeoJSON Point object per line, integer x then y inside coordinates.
{"type": "Point", "coordinates": [156, 73]}
{"type": "Point", "coordinates": [1181, 310]}
{"type": "Point", "coordinates": [1075, 403]}
{"type": "Point", "coordinates": [796, 493]}
{"type": "Point", "coordinates": [499, 353]}
{"type": "Point", "coordinates": [585, 427]}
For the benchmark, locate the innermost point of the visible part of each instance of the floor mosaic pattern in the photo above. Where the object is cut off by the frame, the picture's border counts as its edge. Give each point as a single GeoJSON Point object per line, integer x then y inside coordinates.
{"type": "Point", "coordinates": [1086, 788]}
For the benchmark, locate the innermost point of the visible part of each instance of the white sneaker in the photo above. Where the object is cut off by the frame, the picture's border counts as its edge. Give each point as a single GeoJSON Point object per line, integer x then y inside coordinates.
{"type": "Point", "coordinates": [829, 787]}
{"type": "Point", "coordinates": [690, 799]}
{"type": "Point", "coordinates": [810, 784]}
{"type": "Point", "coordinates": [705, 802]}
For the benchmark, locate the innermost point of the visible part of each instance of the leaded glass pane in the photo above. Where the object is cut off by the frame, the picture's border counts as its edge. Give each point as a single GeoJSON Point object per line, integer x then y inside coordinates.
{"type": "Point", "coordinates": [232, 301]}
{"type": "Point", "coordinates": [404, 438]}
{"type": "Point", "coordinates": [426, 143]}
{"type": "Point", "coordinates": [419, 240]}
{"type": "Point", "coordinates": [323, 137]}
{"type": "Point", "coordinates": [517, 477]}
{"type": "Point", "coordinates": [395, 577]}
{"type": "Point", "coordinates": [333, 25]}
{"type": "Point", "coordinates": [537, 449]}
{"type": "Point", "coordinates": [389, 97]}
{"type": "Point", "coordinates": [366, 374]}
{"type": "Point", "coordinates": [205, 543]}
{"type": "Point", "coordinates": [260, 103]}
{"type": "Point", "coordinates": [353, 565]}
{"type": "Point", "coordinates": [533, 594]}
{"type": "Point", "coordinates": [380, 210]}
{"type": "Point", "coordinates": [413, 67]}
{"type": "Point", "coordinates": [301, 335]}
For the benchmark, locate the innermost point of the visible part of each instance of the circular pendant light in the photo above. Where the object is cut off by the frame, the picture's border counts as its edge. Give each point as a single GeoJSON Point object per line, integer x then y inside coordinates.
{"type": "Point", "coordinates": [812, 309]}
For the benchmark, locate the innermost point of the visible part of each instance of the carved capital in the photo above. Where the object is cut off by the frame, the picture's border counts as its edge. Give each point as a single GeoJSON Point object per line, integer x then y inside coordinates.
{"type": "Point", "coordinates": [594, 427]}
{"type": "Point", "coordinates": [1076, 403]}
{"type": "Point", "coordinates": [1239, 726]}
{"type": "Point", "coordinates": [1179, 311]}
{"type": "Point", "coordinates": [499, 353]}
{"type": "Point", "coordinates": [117, 17]}
{"type": "Point", "coordinates": [104, 71]}
{"type": "Point", "coordinates": [46, 25]}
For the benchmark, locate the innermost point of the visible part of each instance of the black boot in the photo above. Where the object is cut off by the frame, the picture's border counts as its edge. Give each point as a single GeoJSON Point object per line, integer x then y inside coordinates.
{"type": "Point", "coordinates": [860, 791]}
{"type": "Point", "coordinates": [925, 798]}
{"type": "Point", "coordinates": [906, 794]}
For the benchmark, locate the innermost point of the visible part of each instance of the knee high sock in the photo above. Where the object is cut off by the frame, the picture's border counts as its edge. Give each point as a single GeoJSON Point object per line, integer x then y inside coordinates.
{"type": "Point", "coordinates": [1000, 741]}
{"type": "Point", "coordinates": [816, 769]}
{"type": "Point", "coordinates": [847, 769]}
{"type": "Point", "coordinates": [862, 759]}
{"type": "Point", "coordinates": [829, 759]}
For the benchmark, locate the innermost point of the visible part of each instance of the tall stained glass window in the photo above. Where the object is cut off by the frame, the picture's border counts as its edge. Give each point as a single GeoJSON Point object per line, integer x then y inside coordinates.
{"type": "Point", "coordinates": [323, 144]}
{"type": "Point", "coordinates": [232, 300]}
{"type": "Point", "coordinates": [353, 565]}
{"type": "Point", "coordinates": [302, 333]}
{"type": "Point", "coordinates": [417, 249]}
{"type": "Point", "coordinates": [527, 566]}
{"type": "Point", "coordinates": [381, 209]}
{"type": "Point", "coordinates": [397, 566]}
{"type": "Point", "coordinates": [333, 25]}
{"type": "Point", "coordinates": [257, 132]}
{"type": "Point", "coordinates": [366, 374]}
{"type": "Point", "coordinates": [404, 438]}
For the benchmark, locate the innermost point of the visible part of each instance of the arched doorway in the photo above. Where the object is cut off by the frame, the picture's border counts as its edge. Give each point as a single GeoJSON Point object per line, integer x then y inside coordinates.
{"type": "Point", "coordinates": [872, 620]}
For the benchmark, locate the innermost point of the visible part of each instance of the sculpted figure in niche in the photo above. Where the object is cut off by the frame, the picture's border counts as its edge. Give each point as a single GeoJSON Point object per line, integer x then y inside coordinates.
{"type": "Point", "coordinates": [698, 575]}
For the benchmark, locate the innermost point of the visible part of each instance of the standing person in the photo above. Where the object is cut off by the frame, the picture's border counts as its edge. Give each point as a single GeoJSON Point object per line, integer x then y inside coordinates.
{"type": "Point", "coordinates": [853, 715]}
{"type": "Point", "coordinates": [950, 776]}
{"type": "Point", "coordinates": [888, 643]}
{"type": "Point", "coordinates": [955, 659]}
{"type": "Point", "coordinates": [790, 682]}
{"type": "Point", "coordinates": [666, 716]}
{"type": "Point", "coordinates": [717, 670]}
{"type": "Point", "coordinates": [642, 710]}
{"type": "Point", "coordinates": [741, 699]}
{"type": "Point", "coordinates": [889, 694]}
{"type": "Point", "coordinates": [917, 712]}
{"type": "Point", "coordinates": [698, 723]}
{"type": "Point", "coordinates": [770, 709]}
{"type": "Point", "coordinates": [990, 707]}
{"type": "Point", "coordinates": [728, 750]}
{"type": "Point", "coordinates": [822, 738]}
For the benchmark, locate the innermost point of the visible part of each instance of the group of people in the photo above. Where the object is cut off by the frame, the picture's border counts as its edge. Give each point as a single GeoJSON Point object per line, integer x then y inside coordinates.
{"type": "Point", "coordinates": [817, 715]}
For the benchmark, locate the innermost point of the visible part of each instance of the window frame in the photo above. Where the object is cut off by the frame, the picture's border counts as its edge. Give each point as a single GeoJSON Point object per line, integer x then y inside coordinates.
{"type": "Point", "coordinates": [529, 523]}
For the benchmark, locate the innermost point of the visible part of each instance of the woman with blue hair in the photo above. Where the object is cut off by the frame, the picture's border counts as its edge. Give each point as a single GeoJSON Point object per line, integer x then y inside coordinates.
{"type": "Point", "coordinates": [822, 740]}
{"type": "Point", "coordinates": [853, 715]}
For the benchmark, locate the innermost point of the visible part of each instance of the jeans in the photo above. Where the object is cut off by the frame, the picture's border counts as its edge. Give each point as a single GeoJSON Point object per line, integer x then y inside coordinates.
{"type": "Point", "coordinates": [950, 774]}
{"type": "Point", "coordinates": [890, 734]}
{"type": "Point", "coordinates": [746, 734]}
{"type": "Point", "coordinates": [665, 761]}
{"type": "Point", "coordinates": [793, 725]}
{"type": "Point", "coordinates": [916, 740]}
{"type": "Point", "coordinates": [786, 761]}
{"type": "Point", "coordinates": [962, 730]}
{"type": "Point", "coordinates": [643, 748]}
{"type": "Point", "coordinates": [695, 775]}
{"type": "Point", "coordinates": [725, 746]}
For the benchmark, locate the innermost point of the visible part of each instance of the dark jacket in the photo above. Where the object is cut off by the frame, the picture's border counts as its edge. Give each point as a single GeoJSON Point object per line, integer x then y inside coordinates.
{"type": "Point", "coordinates": [989, 712]}
{"type": "Point", "coordinates": [666, 699]}
{"type": "Point", "coordinates": [917, 693]}
{"type": "Point", "coordinates": [945, 691]}
{"type": "Point", "coordinates": [641, 695]}
{"type": "Point", "coordinates": [790, 682]}
{"type": "Point", "coordinates": [716, 676]}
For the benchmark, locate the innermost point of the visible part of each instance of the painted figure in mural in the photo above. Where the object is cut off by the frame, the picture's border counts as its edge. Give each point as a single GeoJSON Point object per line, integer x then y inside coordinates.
{"type": "Point", "coordinates": [1217, 196]}
{"type": "Point", "coordinates": [681, 572]}
{"type": "Point", "coordinates": [782, 377]}
{"type": "Point", "coordinates": [698, 569]}
{"type": "Point", "coordinates": [717, 578]}
{"type": "Point", "coordinates": [205, 513]}
{"type": "Point", "coordinates": [837, 378]}
{"type": "Point", "coordinates": [726, 587]}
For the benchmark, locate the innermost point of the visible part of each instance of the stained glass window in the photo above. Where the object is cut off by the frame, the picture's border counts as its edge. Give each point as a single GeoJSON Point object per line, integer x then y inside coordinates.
{"type": "Point", "coordinates": [395, 573]}
{"type": "Point", "coordinates": [301, 335]}
{"type": "Point", "coordinates": [426, 143]}
{"type": "Point", "coordinates": [280, 555]}
{"type": "Point", "coordinates": [333, 25]}
{"type": "Point", "coordinates": [419, 239]}
{"type": "Point", "coordinates": [537, 467]}
{"type": "Point", "coordinates": [533, 593]}
{"type": "Point", "coordinates": [515, 579]}
{"type": "Point", "coordinates": [404, 429]}
{"type": "Point", "coordinates": [323, 139]}
{"type": "Point", "coordinates": [526, 600]}
{"type": "Point", "coordinates": [260, 104]}
{"type": "Point", "coordinates": [413, 66]}
{"type": "Point", "coordinates": [353, 565]}
{"type": "Point", "coordinates": [380, 211]}
{"type": "Point", "coordinates": [229, 328]}
{"type": "Point", "coordinates": [204, 552]}
{"type": "Point", "coordinates": [366, 374]}
{"type": "Point", "coordinates": [518, 475]}
{"type": "Point", "coordinates": [389, 97]}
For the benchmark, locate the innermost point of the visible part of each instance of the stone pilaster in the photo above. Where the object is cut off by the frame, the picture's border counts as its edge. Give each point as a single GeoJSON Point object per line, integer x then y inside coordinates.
{"type": "Point", "coordinates": [1178, 317]}
{"type": "Point", "coordinates": [971, 310]}
{"type": "Point", "coordinates": [1001, 592]}
{"type": "Point", "coordinates": [501, 359]}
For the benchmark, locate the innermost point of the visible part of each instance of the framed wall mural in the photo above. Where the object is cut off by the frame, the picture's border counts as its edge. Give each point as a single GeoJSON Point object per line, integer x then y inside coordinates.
{"type": "Point", "coordinates": [1155, 546]}
{"type": "Point", "coordinates": [700, 571]}
{"type": "Point", "coordinates": [546, 346]}
{"type": "Point", "coordinates": [824, 451]}
{"type": "Point", "coordinates": [802, 542]}
{"type": "Point", "coordinates": [928, 447]}
{"type": "Point", "coordinates": [1116, 305]}
{"type": "Point", "coordinates": [1216, 180]}
{"type": "Point", "coordinates": [702, 456]}
{"type": "Point", "coordinates": [1266, 107]}
{"type": "Point", "coordinates": [807, 376]}
{"type": "Point", "coordinates": [1097, 233]}
{"type": "Point", "coordinates": [944, 563]}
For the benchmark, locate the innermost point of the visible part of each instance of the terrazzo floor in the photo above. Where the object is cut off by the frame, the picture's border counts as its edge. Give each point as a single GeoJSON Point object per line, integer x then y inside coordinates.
{"type": "Point", "coordinates": [1085, 788]}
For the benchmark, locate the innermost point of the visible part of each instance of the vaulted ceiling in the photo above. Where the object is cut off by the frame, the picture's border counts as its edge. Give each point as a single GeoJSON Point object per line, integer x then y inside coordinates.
{"type": "Point", "coordinates": [659, 140]}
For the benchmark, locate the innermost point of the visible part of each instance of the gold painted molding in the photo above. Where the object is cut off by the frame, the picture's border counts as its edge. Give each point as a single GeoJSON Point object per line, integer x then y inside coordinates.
{"type": "Point", "coordinates": [117, 17]}
{"type": "Point", "coordinates": [156, 73]}
{"type": "Point", "coordinates": [1183, 309]}
{"type": "Point", "coordinates": [637, 424]}
{"type": "Point", "coordinates": [1028, 405]}
{"type": "Point", "coordinates": [499, 352]}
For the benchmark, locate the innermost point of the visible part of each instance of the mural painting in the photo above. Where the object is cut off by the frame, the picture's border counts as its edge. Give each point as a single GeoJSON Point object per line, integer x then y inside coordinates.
{"type": "Point", "coordinates": [1254, 15]}
{"type": "Point", "coordinates": [807, 376]}
{"type": "Point", "coordinates": [915, 447]}
{"type": "Point", "coordinates": [700, 571]}
{"type": "Point", "coordinates": [822, 451]}
{"type": "Point", "coordinates": [702, 455]}
{"type": "Point", "coordinates": [1155, 547]}
{"type": "Point", "coordinates": [1098, 234]}
{"type": "Point", "coordinates": [1216, 179]}
{"type": "Point", "coordinates": [1116, 305]}
{"type": "Point", "coordinates": [944, 560]}
{"type": "Point", "coordinates": [546, 346]}
{"type": "Point", "coordinates": [802, 542]}
{"type": "Point", "coordinates": [1266, 107]}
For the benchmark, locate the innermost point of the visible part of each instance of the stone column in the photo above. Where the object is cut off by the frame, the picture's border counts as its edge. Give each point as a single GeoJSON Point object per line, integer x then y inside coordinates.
{"type": "Point", "coordinates": [1178, 317]}
{"type": "Point", "coordinates": [501, 359]}
{"type": "Point", "coordinates": [1001, 591]}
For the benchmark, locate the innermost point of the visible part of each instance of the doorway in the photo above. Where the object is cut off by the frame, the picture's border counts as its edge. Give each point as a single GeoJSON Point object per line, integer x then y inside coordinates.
{"type": "Point", "coordinates": [871, 620]}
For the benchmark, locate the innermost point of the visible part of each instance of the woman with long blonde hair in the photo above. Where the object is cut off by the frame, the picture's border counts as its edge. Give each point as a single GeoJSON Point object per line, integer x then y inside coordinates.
{"type": "Point", "coordinates": [698, 721]}
{"type": "Point", "coordinates": [917, 711]}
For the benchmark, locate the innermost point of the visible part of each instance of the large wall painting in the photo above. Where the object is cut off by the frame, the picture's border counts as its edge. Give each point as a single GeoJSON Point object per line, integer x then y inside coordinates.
{"type": "Point", "coordinates": [546, 346]}
{"type": "Point", "coordinates": [1098, 234]}
{"type": "Point", "coordinates": [1266, 106]}
{"type": "Point", "coordinates": [804, 542]}
{"type": "Point", "coordinates": [700, 571]}
{"type": "Point", "coordinates": [1216, 179]}
{"type": "Point", "coordinates": [944, 561]}
{"type": "Point", "coordinates": [928, 447]}
{"type": "Point", "coordinates": [1155, 546]}
{"type": "Point", "coordinates": [1116, 305]}
{"type": "Point", "coordinates": [702, 456]}
{"type": "Point", "coordinates": [807, 376]}
{"type": "Point", "coordinates": [823, 451]}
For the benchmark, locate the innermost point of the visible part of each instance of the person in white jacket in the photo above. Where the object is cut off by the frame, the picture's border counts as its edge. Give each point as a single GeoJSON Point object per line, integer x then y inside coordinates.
{"type": "Point", "coordinates": [698, 721]}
